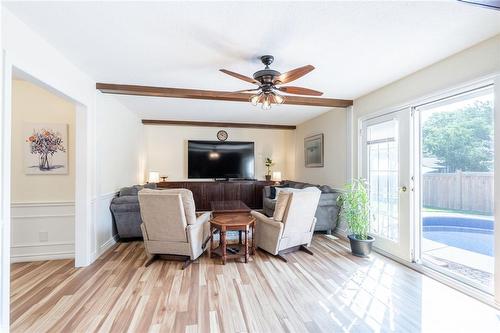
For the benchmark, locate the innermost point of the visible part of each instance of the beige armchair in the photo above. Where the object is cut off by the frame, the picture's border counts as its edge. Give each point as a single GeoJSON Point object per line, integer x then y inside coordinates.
{"type": "Point", "coordinates": [293, 228]}
{"type": "Point", "coordinates": [170, 226]}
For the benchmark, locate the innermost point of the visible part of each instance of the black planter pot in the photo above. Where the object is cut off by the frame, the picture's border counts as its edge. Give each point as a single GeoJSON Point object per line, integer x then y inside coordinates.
{"type": "Point", "coordinates": [361, 247]}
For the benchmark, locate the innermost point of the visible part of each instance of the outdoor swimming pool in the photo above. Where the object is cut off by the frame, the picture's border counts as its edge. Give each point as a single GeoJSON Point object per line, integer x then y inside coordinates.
{"type": "Point", "coordinates": [473, 233]}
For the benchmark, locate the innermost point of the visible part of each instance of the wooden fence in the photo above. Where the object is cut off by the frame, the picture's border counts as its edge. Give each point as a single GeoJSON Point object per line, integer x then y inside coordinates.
{"type": "Point", "coordinates": [460, 190]}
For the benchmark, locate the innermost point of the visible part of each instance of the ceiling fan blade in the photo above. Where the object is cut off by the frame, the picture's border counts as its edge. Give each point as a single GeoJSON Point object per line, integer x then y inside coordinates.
{"type": "Point", "coordinates": [240, 76]}
{"type": "Point", "coordinates": [293, 75]}
{"type": "Point", "coordinates": [246, 90]}
{"type": "Point", "coordinates": [300, 91]}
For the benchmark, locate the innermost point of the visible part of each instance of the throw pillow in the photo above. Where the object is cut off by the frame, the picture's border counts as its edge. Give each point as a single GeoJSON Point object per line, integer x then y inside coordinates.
{"type": "Point", "coordinates": [281, 204]}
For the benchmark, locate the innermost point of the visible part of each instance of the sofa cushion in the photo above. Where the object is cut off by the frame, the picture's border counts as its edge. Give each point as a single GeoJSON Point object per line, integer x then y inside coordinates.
{"type": "Point", "coordinates": [124, 204]}
{"type": "Point", "coordinates": [281, 205]}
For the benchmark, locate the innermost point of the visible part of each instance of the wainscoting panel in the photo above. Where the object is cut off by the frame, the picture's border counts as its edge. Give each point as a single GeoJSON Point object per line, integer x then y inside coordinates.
{"type": "Point", "coordinates": [42, 231]}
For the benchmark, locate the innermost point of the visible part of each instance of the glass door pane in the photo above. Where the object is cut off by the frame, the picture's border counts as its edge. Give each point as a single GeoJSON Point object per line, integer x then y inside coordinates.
{"type": "Point", "coordinates": [386, 169]}
{"type": "Point", "coordinates": [382, 178]}
{"type": "Point", "coordinates": [456, 184]}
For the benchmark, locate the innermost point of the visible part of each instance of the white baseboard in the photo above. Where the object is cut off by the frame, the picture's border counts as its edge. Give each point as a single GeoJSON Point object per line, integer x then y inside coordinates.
{"type": "Point", "coordinates": [42, 256]}
{"type": "Point", "coordinates": [104, 247]}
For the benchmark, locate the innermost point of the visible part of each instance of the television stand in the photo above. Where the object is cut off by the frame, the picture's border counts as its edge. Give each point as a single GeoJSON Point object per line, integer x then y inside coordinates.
{"type": "Point", "coordinates": [204, 192]}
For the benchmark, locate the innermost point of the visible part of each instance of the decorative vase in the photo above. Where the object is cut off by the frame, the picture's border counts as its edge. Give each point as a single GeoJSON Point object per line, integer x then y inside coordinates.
{"type": "Point", "coordinates": [361, 247]}
{"type": "Point", "coordinates": [268, 178]}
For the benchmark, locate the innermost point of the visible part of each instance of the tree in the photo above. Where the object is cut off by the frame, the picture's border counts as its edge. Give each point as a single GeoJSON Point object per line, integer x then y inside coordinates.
{"type": "Point", "coordinates": [462, 139]}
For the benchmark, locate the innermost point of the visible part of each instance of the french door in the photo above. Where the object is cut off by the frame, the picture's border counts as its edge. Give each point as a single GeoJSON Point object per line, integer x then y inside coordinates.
{"type": "Point", "coordinates": [386, 162]}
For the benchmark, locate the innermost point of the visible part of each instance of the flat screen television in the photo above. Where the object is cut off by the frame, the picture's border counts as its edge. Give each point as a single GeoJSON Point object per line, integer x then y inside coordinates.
{"type": "Point", "coordinates": [218, 159]}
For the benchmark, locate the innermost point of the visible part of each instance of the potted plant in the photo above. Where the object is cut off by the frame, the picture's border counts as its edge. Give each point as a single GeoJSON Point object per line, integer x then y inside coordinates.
{"type": "Point", "coordinates": [269, 164]}
{"type": "Point", "coordinates": [354, 205]}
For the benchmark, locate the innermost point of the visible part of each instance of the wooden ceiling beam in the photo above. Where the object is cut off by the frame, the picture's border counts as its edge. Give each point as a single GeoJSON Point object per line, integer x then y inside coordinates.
{"type": "Point", "coordinates": [124, 89]}
{"type": "Point", "coordinates": [215, 124]}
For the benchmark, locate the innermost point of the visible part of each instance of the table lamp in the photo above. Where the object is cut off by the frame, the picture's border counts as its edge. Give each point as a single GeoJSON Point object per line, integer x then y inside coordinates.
{"type": "Point", "coordinates": [277, 176]}
{"type": "Point", "coordinates": [154, 177]}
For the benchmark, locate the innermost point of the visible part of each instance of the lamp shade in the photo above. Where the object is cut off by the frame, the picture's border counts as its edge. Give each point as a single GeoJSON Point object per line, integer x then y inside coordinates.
{"type": "Point", "coordinates": [276, 176]}
{"type": "Point", "coordinates": [154, 177]}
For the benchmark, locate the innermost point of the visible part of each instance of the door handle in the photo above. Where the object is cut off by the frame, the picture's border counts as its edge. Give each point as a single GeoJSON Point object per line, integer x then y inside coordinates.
{"type": "Point", "coordinates": [403, 188]}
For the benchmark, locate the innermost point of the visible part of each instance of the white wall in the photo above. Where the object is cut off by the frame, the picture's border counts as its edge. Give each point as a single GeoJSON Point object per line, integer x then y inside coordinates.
{"type": "Point", "coordinates": [25, 51]}
{"type": "Point", "coordinates": [167, 148]}
{"type": "Point", "coordinates": [43, 220]}
{"type": "Point", "coordinates": [34, 104]}
{"type": "Point", "coordinates": [471, 64]}
{"type": "Point", "coordinates": [120, 160]}
{"type": "Point", "coordinates": [333, 125]}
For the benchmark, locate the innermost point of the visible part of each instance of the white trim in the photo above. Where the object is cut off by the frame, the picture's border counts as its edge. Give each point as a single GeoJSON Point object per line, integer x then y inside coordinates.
{"type": "Point", "coordinates": [423, 99]}
{"type": "Point", "coordinates": [349, 124]}
{"type": "Point", "coordinates": [496, 186]}
{"type": "Point", "coordinates": [105, 247]}
{"type": "Point", "coordinates": [41, 216]}
{"type": "Point", "coordinates": [42, 256]}
{"type": "Point", "coordinates": [109, 195]}
{"type": "Point", "coordinates": [42, 244]}
{"type": "Point", "coordinates": [42, 204]}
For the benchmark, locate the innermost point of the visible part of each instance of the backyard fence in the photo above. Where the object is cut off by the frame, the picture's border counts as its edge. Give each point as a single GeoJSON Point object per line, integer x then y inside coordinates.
{"type": "Point", "coordinates": [460, 190]}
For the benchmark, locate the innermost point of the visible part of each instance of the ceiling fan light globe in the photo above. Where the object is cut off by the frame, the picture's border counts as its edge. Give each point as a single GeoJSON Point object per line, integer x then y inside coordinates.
{"type": "Point", "coordinates": [255, 99]}
{"type": "Point", "coordinates": [266, 103]}
{"type": "Point", "coordinates": [279, 99]}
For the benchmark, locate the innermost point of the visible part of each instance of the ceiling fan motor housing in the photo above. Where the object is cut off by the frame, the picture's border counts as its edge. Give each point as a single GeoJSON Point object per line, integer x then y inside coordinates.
{"type": "Point", "coordinates": [266, 75]}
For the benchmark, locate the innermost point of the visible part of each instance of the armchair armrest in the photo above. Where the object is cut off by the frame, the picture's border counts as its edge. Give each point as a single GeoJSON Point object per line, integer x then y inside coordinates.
{"type": "Point", "coordinates": [201, 218]}
{"type": "Point", "coordinates": [266, 192]}
{"type": "Point", "coordinates": [267, 220]}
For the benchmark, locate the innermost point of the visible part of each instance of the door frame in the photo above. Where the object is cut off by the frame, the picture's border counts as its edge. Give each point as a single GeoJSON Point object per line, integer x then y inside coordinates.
{"type": "Point", "coordinates": [466, 289]}
{"type": "Point", "coordinates": [417, 201]}
{"type": "Point", "coordinates": [403, 248]}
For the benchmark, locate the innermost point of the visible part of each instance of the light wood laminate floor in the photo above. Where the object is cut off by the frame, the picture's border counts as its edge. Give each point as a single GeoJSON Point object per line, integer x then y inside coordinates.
{"type": "Point", "coordinates": [331, 291]}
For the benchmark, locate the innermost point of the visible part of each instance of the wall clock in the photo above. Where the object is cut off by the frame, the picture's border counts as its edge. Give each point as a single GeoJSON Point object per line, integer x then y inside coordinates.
{"type": "Point", "coordinates": [222, 135]}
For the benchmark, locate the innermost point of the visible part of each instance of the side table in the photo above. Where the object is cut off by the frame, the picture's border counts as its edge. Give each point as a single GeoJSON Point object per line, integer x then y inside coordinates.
{"type": "Point", "coordinates": [232, 222]}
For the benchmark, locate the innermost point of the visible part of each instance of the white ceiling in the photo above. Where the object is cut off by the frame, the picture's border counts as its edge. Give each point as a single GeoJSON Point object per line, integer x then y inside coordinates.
{"type": "Point", "coordinates": [356, 47]}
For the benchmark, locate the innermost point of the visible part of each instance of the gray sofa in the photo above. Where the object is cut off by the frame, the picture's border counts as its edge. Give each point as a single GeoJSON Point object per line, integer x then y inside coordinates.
{"type": "Point", "coordinates": [326, 213]}
{"type": "Point", "coordinates": [126, 212]}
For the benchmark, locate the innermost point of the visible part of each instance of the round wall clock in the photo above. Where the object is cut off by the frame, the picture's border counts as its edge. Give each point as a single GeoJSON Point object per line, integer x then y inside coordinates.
{"type": "Point", "coordinates": [222, 135]}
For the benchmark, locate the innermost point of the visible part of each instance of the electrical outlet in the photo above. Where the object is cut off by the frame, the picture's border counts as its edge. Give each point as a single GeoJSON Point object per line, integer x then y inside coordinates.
{"type": "Point", "coordinates": [43, 236]}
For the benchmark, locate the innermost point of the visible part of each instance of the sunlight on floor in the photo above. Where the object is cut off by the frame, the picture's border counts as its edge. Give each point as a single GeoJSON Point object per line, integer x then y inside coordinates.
{"type": "Point", "coordinates": [368, 294]}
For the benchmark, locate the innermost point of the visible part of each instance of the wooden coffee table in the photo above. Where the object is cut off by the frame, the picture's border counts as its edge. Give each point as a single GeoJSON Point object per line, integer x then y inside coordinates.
{"type": "Point", "coordinates": [232, 222]}
{"type": "Point", "coordinates": [229, 207]}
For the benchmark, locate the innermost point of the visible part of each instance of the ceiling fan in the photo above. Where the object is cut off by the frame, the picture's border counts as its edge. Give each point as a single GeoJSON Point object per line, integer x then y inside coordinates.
{"type": "Point", "coordinates": [270, 81]}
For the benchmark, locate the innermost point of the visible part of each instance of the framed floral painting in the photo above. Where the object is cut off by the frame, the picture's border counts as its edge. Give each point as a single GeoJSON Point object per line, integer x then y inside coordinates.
{"type": "Point", "coordinates": [313, 151]}
{"type": "Point", "coordinates": [46, 149]}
